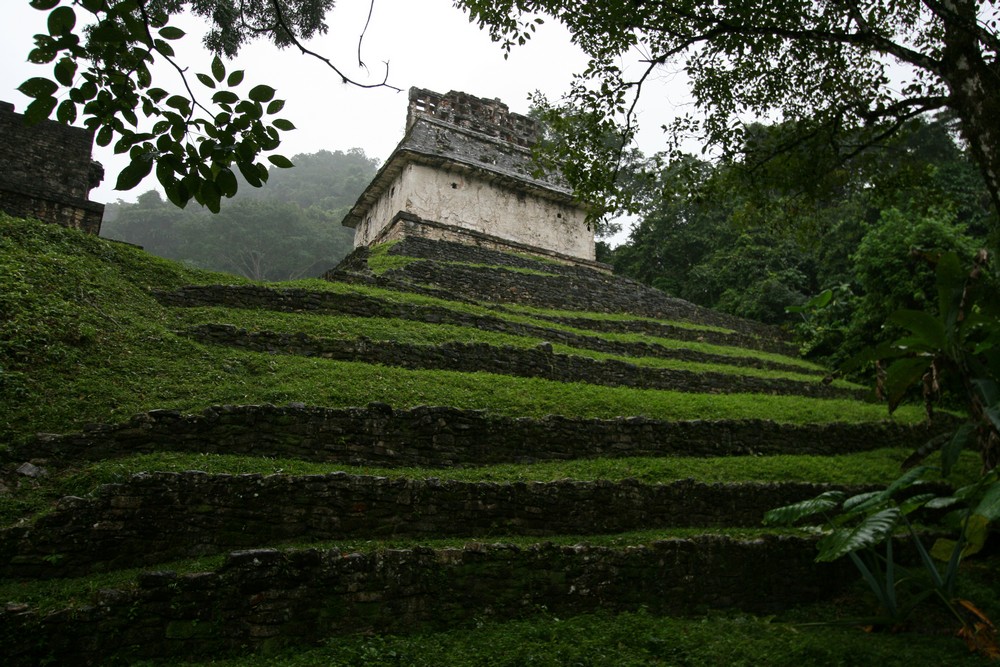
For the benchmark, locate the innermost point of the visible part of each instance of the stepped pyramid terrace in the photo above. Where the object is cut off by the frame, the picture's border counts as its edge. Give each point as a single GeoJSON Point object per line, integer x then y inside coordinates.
{"type": "Point", "coordinates": [439, 443]}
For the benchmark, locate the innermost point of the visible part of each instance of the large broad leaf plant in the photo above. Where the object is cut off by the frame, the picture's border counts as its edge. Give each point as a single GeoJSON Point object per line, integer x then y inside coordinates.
{"type": "Point", "coordinates": [952, 353]}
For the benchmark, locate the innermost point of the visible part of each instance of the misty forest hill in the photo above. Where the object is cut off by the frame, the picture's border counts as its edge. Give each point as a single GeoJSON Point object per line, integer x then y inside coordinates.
{"type": "Point", "coordinates": [286, 230]}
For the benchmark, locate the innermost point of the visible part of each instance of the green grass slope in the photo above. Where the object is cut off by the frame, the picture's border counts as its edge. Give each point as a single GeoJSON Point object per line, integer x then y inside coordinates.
{"type": "Point", "coordinates": [84, 340]}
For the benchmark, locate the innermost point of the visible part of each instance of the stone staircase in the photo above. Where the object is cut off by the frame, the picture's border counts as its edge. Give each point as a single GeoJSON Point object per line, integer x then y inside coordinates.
{"type": "Point", "coordinates": [267, 561]}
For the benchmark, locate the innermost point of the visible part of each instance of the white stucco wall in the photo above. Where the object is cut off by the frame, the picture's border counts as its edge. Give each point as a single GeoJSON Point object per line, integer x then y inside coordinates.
{"type": "Point", "coordinates": [463, 200]}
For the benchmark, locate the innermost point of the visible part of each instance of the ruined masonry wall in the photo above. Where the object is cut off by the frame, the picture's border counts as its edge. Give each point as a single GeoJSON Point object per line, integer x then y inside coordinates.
{"type": "Point", "coordinates": [46, 172]}
{"type": "Point", "coordinates": [436, 437]}
{"type": "Point", "coordinates": [490, 117]}
{"type": "Point", "coordinates": [539, 362]}
{"type": "Point", "coordinates": [470, 201]}
{"type": "Point", "coordinates": [153, 518]}
{"type": "Point", "coordinates": [265, 599]}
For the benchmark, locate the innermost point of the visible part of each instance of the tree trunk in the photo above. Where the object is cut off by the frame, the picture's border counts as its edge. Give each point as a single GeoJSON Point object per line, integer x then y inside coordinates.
{"type": "Point", "coordinates": [974, 84]}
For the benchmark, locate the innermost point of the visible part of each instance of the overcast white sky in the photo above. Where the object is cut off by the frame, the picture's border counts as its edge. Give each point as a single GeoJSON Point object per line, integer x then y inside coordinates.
{"type": "Point", "coordinates": [428, 43]}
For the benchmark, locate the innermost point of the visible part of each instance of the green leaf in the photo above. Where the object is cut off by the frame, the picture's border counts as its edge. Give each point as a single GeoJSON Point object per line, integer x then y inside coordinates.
{"type": "Point", "coordinates": [275, 106]}
{"type": "Point", "coordinates": [178, 193]}
{"type": "Point", "coordinates": [164, 48]}
{"type": "Point", "coordinates": [901, 375]}
{"type": "Point", "coordinates": [923, 325]}
{"type": "Point", "coordinates": [284, 125]}
{"type": "Point", "coordinates": [157, 94]}
{"type": "Point", "coordinates": [249, 173]}
{"type": "Point", "coordinates": [789, 514]}
{"type": "Point", "coordinates": [218, 69]}
{"type": "Point", "coordinates": [988, 390]}
{"type": "Point", "coordinates": [941, 503]}
{"type": "Point", "coordinates": [280, 161]}
{"type": "Point", "coordinates": [206, 80]}
{"type": "Point", "coordinates": [226, 180]}
{"type": "Point", "coordinates": [65, 71]}
{"type": "Point", "coordinates": [954, 447]}
{"type": "Point", "coordinates": [132, 175]}
{"type": "Point", "coordinates": [910, 478]}
{"type": "Point", "coordinates": [41, 55]}
{"type": "Point", "coordinates": [88, 90]}
{"type": "Point", "coordinates": [261, 93]}
{"type": "Point", "coordinates": [210, 196]}
{"type": "Point", "coordinates": [871, 531]}
{"type": "Point", "coordinates": [225, 97]}
{"type": "Point", "coordinates": [914, 503]}
{"type": "Point", "coordinates": [66, 113]}
{"type": "Point", "coordinates": [976, 530]}
{"type": "Point", "coordinates": [235, 78]}
{"type": "Point", "coordinates": [43, 5]}
{"type": "Point", "coordinates": [142, 76]}
{"type": "Point", "coordinates": [170, 32]}
{"type": "Point", "coordinates": [821, 300]}
{"type": "Point", "coordinates": [39, 110]}
{"type": "Point", "coordinates": [863, 502]}
{"type": "Point", "coordinates": [179, 102]}
{"type": "Point", "coordinates": [989, 506]}
{"type": "Point", "coordinates": [38, 87]}
{"type": "Point", "coordinates": [104, 136]}
{"type": "Point", "coordinates": [62, 20]}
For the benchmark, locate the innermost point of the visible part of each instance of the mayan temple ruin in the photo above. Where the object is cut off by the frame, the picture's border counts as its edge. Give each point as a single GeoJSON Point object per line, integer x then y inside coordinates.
{"type": "Point", "coordinates": [46, 172]}
{"type": "Point", "coordinates": [464, 172]}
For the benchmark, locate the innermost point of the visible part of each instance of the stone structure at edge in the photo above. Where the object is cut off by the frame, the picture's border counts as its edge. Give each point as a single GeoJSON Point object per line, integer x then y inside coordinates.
{"type": "Point", "coordinates": [464, 172]}
{"type": "Point", "coordinates": [46, 172]}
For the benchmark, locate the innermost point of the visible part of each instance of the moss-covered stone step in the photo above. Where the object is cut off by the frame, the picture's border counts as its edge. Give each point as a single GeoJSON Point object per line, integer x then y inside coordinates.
{"type": "Point", "coordinates": [539, 362]}
{"type": "Point", "coordinates": [153, 517]}
{"type": "Point", "coordinates": [264, 599]}
{"type": "Point", "coordinates": [439, 437]}
{"type": "Point", "coordinates": [363, 305]}
{"type": "Point", "coordinates": [480, 274]}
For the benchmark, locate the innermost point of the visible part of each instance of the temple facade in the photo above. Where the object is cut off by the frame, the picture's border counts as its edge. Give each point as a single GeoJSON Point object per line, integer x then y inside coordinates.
{"type": "Point", "coordinates": [464, 172]}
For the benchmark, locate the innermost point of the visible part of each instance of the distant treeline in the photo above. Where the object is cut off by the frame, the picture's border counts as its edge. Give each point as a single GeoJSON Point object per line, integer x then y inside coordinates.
{"type": "Point", "coordinates": [288, 229]}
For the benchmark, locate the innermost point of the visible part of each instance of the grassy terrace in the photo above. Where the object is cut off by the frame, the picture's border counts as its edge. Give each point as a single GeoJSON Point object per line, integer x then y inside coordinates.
{"type": "Point", "coordinates": [82, 340]}
{"type": "Point", "coordinates": [874, 467]}
{"type": "Point", "coordinates": [79, 315]}
{"type": "Point", "coordinates": [407, 331]}
{"type": "Point", "coordinates": [513, 313]}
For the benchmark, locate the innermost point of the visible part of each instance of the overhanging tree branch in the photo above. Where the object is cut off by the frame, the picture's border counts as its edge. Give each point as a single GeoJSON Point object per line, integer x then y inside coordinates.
{"type": "Point", "coordinates": [283, 24]}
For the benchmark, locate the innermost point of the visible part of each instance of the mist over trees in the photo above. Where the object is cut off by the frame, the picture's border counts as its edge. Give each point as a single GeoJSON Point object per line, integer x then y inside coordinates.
{"type": "Point", "coordinates": [290, 229]}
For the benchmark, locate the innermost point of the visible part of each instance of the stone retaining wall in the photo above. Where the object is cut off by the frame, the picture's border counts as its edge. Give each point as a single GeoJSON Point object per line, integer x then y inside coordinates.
{"type": "Point", "coordinates": [442, 436]}
{"type": "Point", "coordinates": [157, 517]}
{"type": "Point", "coordinates": [263, 600]}
{"type": "Point", "coordinates": [575, 288]}
{"type": "Point", "coordinates": [540, 362]}
{"type": "Point", "coordinates": [360, 305]}
{"type": "Point", "coordinates": [46, 172]}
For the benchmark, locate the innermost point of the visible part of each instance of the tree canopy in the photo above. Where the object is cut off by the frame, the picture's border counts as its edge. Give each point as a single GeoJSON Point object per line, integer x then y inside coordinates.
{"type": "Point", "coordinates": [195, 139]}
{"type": "Point", "coordinates": [742, 240]}
{"type": "Point", "coordinates": [850, 72]}
{"type": "Point", "coordinates": [845, 73]}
